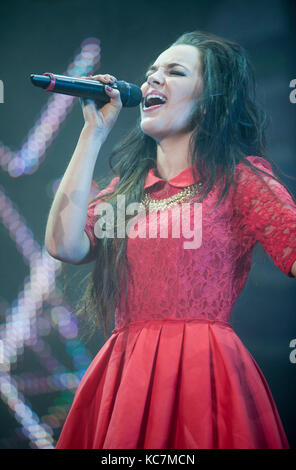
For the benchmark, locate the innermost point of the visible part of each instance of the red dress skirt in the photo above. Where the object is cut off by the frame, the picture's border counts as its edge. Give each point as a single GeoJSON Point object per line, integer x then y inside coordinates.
{"type": "Point", "coordinates": [173, 385]}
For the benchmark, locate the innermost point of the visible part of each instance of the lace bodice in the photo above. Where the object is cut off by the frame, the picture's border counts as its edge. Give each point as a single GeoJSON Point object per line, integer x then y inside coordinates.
{"type": "Point", "coordinates": [203, 281]}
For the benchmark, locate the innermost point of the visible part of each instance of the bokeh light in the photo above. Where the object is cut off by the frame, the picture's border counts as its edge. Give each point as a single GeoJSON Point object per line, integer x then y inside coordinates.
{"type": "Point", "coordinates": [40, 311]}
{"type": "Point", "coordinates": [28, 158]}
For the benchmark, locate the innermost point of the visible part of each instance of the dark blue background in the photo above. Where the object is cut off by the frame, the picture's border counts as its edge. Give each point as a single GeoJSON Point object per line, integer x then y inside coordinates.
{"type": "Point", "coordinates": [39, 36]}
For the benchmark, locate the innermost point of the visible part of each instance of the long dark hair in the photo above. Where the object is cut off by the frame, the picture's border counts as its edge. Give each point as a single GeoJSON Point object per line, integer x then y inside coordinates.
{"type": "Point", "coordinates": [227, 125]}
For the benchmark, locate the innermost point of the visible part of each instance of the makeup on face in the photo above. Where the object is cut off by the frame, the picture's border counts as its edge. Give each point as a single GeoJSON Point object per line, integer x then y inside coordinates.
{"type": "Point", "coordinates": [169, 93]}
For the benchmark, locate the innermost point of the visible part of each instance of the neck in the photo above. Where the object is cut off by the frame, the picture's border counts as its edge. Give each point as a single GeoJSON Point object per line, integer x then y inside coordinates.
{"type": "Point", "coordinates": [173, 155]}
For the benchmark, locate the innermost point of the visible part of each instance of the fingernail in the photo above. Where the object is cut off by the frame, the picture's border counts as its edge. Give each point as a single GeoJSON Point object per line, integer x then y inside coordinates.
{"type": "Point", "coordinates": [109, 88]}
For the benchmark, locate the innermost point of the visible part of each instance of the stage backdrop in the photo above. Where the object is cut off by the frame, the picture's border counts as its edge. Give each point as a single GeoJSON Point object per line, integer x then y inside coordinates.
{"type": "Point", "coordinates": [42, 348]}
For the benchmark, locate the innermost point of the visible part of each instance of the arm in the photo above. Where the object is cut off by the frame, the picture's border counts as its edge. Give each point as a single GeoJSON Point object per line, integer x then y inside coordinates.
{"type": "Point", "coordinates": [266, 213]}
{"type": "Point", "coordinates": [293, 269]}
{"type": "Point", "coordinates": [65, 238]}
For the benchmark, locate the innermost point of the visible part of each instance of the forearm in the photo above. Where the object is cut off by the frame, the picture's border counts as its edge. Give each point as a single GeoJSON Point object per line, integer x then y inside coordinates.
{"type": "Point", "coordinates": [293, 269]}
{"type": "Point", "coordinates": [66, 221]}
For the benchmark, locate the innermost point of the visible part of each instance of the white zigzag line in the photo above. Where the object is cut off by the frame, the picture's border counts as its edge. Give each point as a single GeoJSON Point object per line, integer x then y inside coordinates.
{"type": "Point", "coordinates": [26, 160]}
{"type": "Point", "coordinates": [18, 331]}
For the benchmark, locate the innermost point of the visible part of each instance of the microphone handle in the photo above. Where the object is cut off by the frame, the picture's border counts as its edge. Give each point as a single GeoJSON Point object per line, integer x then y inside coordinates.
{"type": "Point", "coordinates": [86, 88]}
{"type": "Point", "coordinates": [68, 86]}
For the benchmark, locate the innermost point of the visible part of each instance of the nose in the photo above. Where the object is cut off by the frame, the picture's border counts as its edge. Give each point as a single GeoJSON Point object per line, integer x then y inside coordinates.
{"type": "Point", "coordinates": [155, 78]}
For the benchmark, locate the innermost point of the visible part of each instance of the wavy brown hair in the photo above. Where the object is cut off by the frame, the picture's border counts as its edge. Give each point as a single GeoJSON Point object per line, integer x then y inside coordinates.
{"type": "Point", "coordinates": [232, 128]}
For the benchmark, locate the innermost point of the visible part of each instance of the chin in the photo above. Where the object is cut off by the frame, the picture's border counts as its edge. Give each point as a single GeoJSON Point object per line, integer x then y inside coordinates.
{"type": "Point", "coordinates": [148, 130]}
{"type": "Point", "coordinates": [152, 131]}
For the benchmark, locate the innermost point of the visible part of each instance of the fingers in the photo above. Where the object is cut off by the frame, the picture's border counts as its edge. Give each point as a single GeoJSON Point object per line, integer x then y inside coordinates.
{"type": "Point", "coordinates": [105, 78]}
{"type": "Point", "coordinates": [113, 93]}
{"type": "Point", "coordinates": [108, 110]}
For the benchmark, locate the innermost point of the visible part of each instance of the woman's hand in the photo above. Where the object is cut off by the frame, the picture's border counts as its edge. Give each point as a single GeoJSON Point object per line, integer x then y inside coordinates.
{"type": "Point", "coordinates": [98, 117]}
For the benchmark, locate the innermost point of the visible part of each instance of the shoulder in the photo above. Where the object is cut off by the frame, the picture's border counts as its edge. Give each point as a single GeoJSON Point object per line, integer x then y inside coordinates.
{"type": "Point", "coordinates": [254, 171]}
{"type": "Point", "coordinates": [259, 162]}
{"type": "Point", "coordinates": [262, 185]}
{"type": "Point", "coordinates": [111, 186]}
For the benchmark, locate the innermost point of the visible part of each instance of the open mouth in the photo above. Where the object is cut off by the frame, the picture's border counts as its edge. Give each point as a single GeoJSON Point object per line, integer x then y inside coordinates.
{"type": "Point", "coordinates": [153, 101]}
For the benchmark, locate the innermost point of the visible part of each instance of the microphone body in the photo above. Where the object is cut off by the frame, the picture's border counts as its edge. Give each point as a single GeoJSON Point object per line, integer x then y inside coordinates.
{"type": "Point", "coordinates": [131, 95]}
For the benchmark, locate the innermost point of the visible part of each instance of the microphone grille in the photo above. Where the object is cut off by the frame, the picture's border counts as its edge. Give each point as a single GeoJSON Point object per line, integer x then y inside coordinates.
{"type": "Point", "coordinates": [131, 95]}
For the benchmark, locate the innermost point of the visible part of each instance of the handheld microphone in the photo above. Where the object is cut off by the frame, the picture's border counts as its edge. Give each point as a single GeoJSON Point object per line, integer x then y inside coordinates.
{"type": "Point", "coordinates": [131, 95]}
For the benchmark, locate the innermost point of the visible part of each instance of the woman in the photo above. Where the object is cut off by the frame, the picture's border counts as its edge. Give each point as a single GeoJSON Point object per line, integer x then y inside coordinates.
{"type": "Point", "coordinates": [173, 373]}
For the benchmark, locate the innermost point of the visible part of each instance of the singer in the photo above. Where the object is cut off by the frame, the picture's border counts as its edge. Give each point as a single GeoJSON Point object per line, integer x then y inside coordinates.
{"type": "Point", "coordinates": [172, 373]}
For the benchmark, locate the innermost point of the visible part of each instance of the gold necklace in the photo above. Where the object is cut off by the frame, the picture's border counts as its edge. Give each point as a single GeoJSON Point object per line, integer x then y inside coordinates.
{"type": "Point", "coordinates": [182, 196]}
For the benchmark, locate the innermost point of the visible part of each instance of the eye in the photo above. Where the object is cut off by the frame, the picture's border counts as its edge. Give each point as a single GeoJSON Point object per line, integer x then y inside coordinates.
{"type": "Point", "coordinates": [176, 72]}
{"type": "Point", "coordinates": [172, 72]}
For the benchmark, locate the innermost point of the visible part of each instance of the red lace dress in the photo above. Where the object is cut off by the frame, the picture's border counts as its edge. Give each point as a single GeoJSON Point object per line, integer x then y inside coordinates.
{"type": "Point", "coordinates": [174, 374]}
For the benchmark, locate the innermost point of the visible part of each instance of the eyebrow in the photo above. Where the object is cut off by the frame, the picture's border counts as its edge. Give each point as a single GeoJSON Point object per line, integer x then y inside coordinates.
{"type": "Point", "coordinates": [172, 64]}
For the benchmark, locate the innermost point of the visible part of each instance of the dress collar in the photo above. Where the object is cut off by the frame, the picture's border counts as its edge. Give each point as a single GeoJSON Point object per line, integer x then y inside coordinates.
{"type": "Point", "coordinates": [183, 179]}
